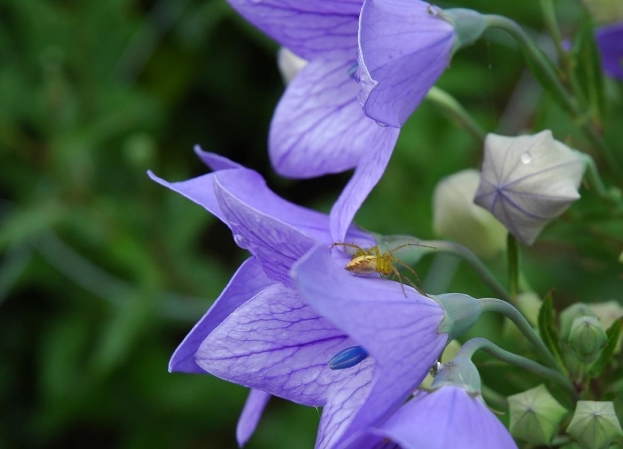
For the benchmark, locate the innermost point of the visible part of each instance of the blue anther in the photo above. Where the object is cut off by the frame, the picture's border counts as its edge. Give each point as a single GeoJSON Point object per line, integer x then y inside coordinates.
{"type": "Point", "coordinates": [348, 358]}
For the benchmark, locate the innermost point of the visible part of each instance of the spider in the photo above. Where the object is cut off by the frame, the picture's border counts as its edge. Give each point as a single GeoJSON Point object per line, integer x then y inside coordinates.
{"type": "Point", "coordinates": [372, 260]}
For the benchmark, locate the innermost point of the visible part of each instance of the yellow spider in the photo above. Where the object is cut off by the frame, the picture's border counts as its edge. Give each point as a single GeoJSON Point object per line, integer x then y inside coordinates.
{"type": "Point", "coordinates": [372, 260]}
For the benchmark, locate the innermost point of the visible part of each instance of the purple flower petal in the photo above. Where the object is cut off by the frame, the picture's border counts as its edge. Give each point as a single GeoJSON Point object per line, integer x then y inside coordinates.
{"type": "Point", "coordinates": [311, 28]}
{"type": "Point", "coordinates": [367, 174]}
{"type": "Point", "coordinates": [447, 418]}
{"type": "Point", "coordinates": [244, 284]}
{"type": "Point", "coordinates": [250, 416]}
{"type": "Point", "coordinates": [610, 43]}
{"type": "Point", "coordinates": [215, 161]}
{"type": "Point", "coordinates": [200, 190]}
{"type": "Point", "coordinates": [403, 49]}
{"type": "Point", "coordinates": [399, 332]}
{"type": "Point", "coordinates": [318, 126]}
{"type": "Point", "coordinates": [275, 342]}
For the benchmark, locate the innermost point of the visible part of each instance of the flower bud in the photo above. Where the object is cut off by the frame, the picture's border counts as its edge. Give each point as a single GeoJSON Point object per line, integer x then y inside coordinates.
{"type": "Point", "coordinates": [289, 64]}
{"type": "Point", "coordinates": [571, 313]}
{"type": "Point", "coordinates": [535, 415]}
{"type": "Point", "coordinates": [595, 425]}
{"type": "Point", "coordinates": [527, 181]}
{"type": "Point", "coordinates": [587, 337]}
{"type": "Point", "coordinates": [456, 217]}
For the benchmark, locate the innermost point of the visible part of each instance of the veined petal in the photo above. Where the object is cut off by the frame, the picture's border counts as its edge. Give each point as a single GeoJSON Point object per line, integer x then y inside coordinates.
{"type": "Point", "coordinates": [318, 126]}
{"type": "Point", "coordinates": [244, 284]}
{"type": "Point", "coordinates": [215, 161]}
{"type": "Point", "coordinates": [199, 190]}
{"type": "Point", "coordinates": [403, 49]}
{"type": "Point", "coordinates": [276, 342]}
{"type": "Point", "coordinates": [610, 42]}
{"type": "Point", "coordinates": [311, 28]}
{"type": "Point", "coordinates": [250, 416]}
{"type": "Point", "coordinates": [399, 332]}
{"type": "Point", "coordinates": [369, 171]}
{"type": "Point", "coordinates": [446, 418]}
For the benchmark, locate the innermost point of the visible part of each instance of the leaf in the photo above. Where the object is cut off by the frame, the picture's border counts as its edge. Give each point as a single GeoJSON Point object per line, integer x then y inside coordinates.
{"type": "Point", "coordinates": [588, 70]}
{"type": "Point", "coordinates": [613, 333]}
{"type": "Point", "coordinates": [548, 331]}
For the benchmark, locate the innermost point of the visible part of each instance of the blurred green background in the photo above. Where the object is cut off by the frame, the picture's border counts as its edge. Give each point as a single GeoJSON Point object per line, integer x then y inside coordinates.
{"type": "Point", "coordinates": [103, 272]}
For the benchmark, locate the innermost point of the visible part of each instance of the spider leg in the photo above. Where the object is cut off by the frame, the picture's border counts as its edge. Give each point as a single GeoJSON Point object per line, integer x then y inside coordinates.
{"type": "Point", "coordinates": [398, 248]}
{"type": "Point", "coordinates": [407, 278]}
{"type": "Point", "coordinates": [359, 250]}
{"type": "Point", "coordinates": [397, 274]}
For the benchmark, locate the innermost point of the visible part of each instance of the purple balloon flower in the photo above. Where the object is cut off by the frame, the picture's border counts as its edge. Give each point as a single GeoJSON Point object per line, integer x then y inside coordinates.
{"type": "Point", "coordinates": [446, 418]}
{"type": "Point", "coordinates": [610, 43]}
{"type": "Point", "coordinates": [404, 47]}
{"type": "Point", "coordinates": [265, 333]}
{"type": "Point", "coordinates": [318, 127]}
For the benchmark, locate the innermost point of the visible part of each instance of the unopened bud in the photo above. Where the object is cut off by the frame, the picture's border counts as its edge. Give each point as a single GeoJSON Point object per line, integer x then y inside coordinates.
{"type": "Point", "coordinates": [595, 425]}
{"type": "Point", "coordinates": [456, 217]}
{"type": "Point", "coordinates": [527, 181]}
{"type": "Point", "coordinates": [587, 338]}
{"type": "Point", "coordinates": [572, 312]}
{"type": "Point", "coordinates": [535, 415]}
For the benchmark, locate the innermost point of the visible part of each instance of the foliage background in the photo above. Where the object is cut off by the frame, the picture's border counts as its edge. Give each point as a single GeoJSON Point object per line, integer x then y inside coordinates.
{"type": "Point", "coordinates": [102, 272]}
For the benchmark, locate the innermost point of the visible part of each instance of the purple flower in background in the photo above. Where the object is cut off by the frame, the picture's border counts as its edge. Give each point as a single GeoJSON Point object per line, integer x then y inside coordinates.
{"type": "Point", "coordinates": [610, 43]}
{"type": "Point", "coordinates": [264, 334]}
{"type": "Point", "coordinates": [318, 127]}
{"type": "Point", "coordinates": [404, 46]}
{"type": "Point", "coordinates": [446, 418]}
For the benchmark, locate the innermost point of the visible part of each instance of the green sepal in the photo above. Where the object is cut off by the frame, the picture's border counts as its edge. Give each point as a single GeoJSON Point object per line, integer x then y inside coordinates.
{"type": "Point", "coordinates": [595, 424]}
{"type": "Point", "coordinates": [468, 25]}
{"type": "Point", "coordinates": [589, 70]}
{"type": "Point", "coordinates": [461, 313]}
{"type": "Point", "coordinates": [535, 415]}
{"type": "Point", "coordinates": [613, 333]}
{"type": "Point", "coordinates": [548, 332]}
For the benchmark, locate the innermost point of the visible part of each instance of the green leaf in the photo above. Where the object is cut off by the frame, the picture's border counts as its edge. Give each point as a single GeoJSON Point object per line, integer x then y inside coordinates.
{"type": "Point", "coordinates": [613, 333]}
{"type": "Point", "coordinates": [547, 330]}
{"type": "Point", "coordinates": [589, 71]}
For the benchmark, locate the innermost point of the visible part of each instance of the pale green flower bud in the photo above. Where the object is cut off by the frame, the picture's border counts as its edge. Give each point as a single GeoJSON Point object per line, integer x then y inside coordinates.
{"type": "Point", "coordinates": [289, 64]}
{"type": "Point", "coordinates": [595, 425]}
{"type": "Point", "coordinates": [571, 313]}
{"type": "Point", "coordinates": [457, 218]}
{"type": "Point", "coordinates": [535, 415]}
{"type": "Point", "coordinates": [587, 338]}
{"type": "Point", "coordinates": [527, 181]}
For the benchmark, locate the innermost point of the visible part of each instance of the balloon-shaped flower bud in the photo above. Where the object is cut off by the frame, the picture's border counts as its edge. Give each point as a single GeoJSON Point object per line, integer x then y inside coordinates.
{"type": "Point", "coordinates": [595, 425]}
{"type": "Point", "coordinates": [572, 312]}
{"type": "Point", "coordinates": [289, 64]}
{"type": "Point", "coordinates": [587, 338]}
{"type": "Point", "coordinates": [527, 181]}
{"type": "Point", "coordinates": [456, 217]}
{"type": "Point", "coordinates": [535, 415]}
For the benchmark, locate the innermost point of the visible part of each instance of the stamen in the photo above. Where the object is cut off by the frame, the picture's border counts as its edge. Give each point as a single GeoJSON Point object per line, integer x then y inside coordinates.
{"type": "Point", "coordinates": [348, 358]}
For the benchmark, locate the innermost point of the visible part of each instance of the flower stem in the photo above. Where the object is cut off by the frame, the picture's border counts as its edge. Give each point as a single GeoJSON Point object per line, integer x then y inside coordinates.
{"type": "Point", "coordinates": [506, 309]}
{"type": "Point", "coordinates": [612, 195]}
{"type": "Point", "coordinates": [474, 262]}
{"type": "Point", "coordinates": [452, 108]}
{"type": "Point", "coordinates": [512, 250]}
{"type": "Point", "coordinates": [470, 347]}
{"type": "Point", "coordinates": [539, 62]}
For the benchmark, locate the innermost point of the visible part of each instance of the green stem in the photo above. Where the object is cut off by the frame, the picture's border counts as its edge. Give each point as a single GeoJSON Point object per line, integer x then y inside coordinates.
{"type": "Point", "coordinates": [536, 56]}
{"type": "Point", "coordinates": [612, 195]}
{"type": "Point", "coordinates": [512, 250]}
{"type": "Point", "coordinates": [474, 262]}
{"type": "Point", "coordinates": [506, 309]}
{"type": "Point", "coordinates": [470, 347]}
{"type": "Point", "coordinates": [451, 107]}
